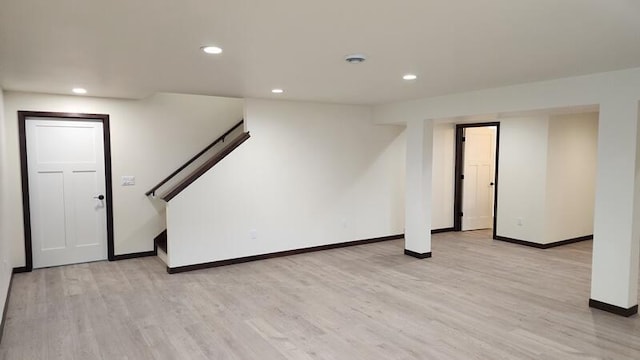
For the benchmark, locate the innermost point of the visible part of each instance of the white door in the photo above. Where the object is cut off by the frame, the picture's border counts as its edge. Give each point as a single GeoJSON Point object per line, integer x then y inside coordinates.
{"type": "Point", "coordinates": [478, 183]}
{"type": "Point", "coordinates": [65, 161]}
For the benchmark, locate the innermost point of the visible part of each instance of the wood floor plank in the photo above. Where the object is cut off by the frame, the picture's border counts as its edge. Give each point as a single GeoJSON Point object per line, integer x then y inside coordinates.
{"type": "Point", "coordinates": [475, 299]}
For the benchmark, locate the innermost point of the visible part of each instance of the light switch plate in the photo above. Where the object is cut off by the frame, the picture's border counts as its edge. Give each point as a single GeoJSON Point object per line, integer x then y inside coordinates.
{"type": "Point", "coordinates": [128, 180]}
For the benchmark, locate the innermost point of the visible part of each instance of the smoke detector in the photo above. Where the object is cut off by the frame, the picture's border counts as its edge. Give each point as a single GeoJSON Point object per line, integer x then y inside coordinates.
{"type": "Point", "coordinates": [355, 58]}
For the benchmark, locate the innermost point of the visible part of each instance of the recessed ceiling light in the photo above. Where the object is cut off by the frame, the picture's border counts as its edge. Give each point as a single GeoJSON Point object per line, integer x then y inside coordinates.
{"type": "Point", "coordinates": [79, 91]}
{"type": "Point", "coordinates": [410, 77]}
{"type": "Point", "coordinates": [277, 91]}
{"type": "Point", "coordinates": [211, 49]}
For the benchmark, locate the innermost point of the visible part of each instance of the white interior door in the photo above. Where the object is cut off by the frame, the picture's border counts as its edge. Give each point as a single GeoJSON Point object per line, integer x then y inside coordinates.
{"type": "Point", "coordinates": [65, 161]}
{"type": "Point", "coordinates": [478, 184]}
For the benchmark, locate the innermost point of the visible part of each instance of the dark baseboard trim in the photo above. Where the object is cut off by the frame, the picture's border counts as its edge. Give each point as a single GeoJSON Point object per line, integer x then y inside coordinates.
{"type": "Point", "coordinates": [18, 270]}
{"type": "Point", "coordinates": [417, 255]}
{"type": "Point", "coordinates": [543, 246]}
{"type": "Point", "coordinates": [613, 308]}
{"type": "Point", "coordinates": [569, 241]}
{"type": "Point", "coordinates": [153, 252]}
{"type": "Point", "coordinates": [442, 230]}
{"type": "Point", "coordinates": [212, 264]}
{"type": "Point", "coordinates": [6, 306]}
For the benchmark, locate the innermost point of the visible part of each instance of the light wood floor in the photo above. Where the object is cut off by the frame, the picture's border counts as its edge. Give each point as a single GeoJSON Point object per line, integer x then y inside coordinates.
{"type": "Point", "coordinates": [475, 299]}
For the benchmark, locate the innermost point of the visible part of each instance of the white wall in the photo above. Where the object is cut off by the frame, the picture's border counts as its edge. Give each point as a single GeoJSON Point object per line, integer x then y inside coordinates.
{"type": "Point", "coordinates": [418, 187]}
{"type": "Point", "coordinates": [571, 176]}
{"type": "Point", "coordinates": [547, 177]}
{"type": "Point", "coordinates": [444, 148]}
{"type": "Point", "coordinates": [5, 261]}
{"type": "Point", "coordinates": [149, 139]}
{"type": "Point", "coordinates": [311, 174]}
{"type": "Point", "coordinates": [575, 91]}
{"type": "Point", "coordinates": [522, 178]}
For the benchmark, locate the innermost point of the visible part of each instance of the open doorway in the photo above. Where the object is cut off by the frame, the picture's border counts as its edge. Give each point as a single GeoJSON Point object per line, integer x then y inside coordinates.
{"type": "Point", "coordinates": [476, 176]}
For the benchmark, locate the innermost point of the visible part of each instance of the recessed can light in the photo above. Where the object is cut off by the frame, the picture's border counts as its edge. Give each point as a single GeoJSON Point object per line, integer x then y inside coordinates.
{"type": "Point", "coordinates": [277, 91]}
{"type": "Point", "coordinates": [79, 91]}
{"type": "Point", "coordinates": [211, 49]}
{"type": "Point", "coordinates": [410, 77]}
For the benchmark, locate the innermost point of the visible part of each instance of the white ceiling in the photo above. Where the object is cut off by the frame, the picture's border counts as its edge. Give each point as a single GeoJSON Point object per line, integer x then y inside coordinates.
{"type": "Point", "coordinates": [133, 48]}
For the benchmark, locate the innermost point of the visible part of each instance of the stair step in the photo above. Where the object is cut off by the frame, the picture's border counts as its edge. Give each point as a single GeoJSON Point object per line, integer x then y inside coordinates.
{"type": "Point", "coordinates": [161, 241]}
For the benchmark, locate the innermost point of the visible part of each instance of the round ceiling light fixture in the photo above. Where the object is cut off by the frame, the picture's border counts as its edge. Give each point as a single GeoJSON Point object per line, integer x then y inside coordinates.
{"type": "Point", "coordinates": [211, 50]}
{"type": "Point", "coordinates": [355, 58]}
{"type": "Point", "coordinates": [79, 90]}
{"type": "Point", "coordinates": [410, 77]}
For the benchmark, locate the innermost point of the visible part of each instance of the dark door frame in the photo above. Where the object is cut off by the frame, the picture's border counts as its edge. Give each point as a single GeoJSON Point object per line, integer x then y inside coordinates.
{"type": "Point", "coordinates": [459, 165]}
{"type": "Point", "coordinates": [26, 211]}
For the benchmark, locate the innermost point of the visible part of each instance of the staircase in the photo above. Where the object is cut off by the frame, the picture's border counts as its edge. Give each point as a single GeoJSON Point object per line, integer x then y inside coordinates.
{"type": "Point", "coordinates": [186, 174]}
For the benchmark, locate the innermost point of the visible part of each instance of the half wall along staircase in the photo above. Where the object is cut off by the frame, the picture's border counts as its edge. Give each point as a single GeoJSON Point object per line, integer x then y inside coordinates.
{"type": "Point", "coordinates": [197, 166]}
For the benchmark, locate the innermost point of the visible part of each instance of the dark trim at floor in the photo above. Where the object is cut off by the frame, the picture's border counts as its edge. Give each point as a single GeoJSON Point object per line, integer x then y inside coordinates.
{"type": "Point", "coordinates": [212, 264]}
{"type": "Point", "coordinates": [417, 255]}
{"type": "Point", "coordinates": [18, 270]}
{"type": "Point", "coordinates": [442, 230]}
{"type": "Point", "coordinates": [613, 308]}
{"type": "Point", "coordinates": [6, 306]}
{"type": "Point", "coordinates": [543, 246]}
{"type": "Point", "coordinates": [153, 252]}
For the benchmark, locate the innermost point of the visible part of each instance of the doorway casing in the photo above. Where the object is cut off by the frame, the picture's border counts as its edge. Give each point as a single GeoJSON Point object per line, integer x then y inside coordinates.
{"type": "Point", "coordinates": [458, 177]}
{"type": "Point", "coordinates": [22, 118]}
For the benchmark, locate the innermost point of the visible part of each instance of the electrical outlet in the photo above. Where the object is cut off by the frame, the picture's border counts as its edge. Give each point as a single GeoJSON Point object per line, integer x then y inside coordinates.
{"type": "Point", "coordinates": [253, 234]}
{"type": "Point", "coordinates": [519, 221]}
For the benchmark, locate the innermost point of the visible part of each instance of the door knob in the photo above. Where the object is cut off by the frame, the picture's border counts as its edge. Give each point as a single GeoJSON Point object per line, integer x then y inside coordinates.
{"type": "Point", "coordinates": [99, 197]}
{"type": "Point", "coordinates": [491, 184]}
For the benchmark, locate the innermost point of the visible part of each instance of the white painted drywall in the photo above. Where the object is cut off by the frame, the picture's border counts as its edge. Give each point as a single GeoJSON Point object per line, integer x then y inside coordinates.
{"type": "Point", "coordinates": [616, 227]}
{"type": "Point", "coordinates": [149, 139]}
{"type": "Point", "coordinates": [6, 264]}
{"type": "Point", "coordinates": [571, 176]}
{"type": "Point", "coordinates": [522, 178]}
{"type": "Point", "coordinates": [552, 94]}
{"type": "Point", "coordinates": [443, 185]}
{"type": "Point", "coordinates": [311, 174]}
{"type": "Point", "coordinates": [547, 177]}
{"type": "Point", "coordinates": [418, 186]}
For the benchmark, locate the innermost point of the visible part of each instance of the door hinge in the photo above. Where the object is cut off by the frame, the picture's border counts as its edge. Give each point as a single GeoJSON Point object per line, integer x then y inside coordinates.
{"type": "Point", "coordinates": [462, 177]}
{"type": "Point", "coordinates": [461, 213]}
{"type": "Point", "coordinates": [464, 138]}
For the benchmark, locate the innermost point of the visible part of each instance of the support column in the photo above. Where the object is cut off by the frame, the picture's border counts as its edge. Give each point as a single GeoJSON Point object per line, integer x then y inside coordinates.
{"type": "Point", "coordinates": [616, 243]}
{"type": "Point", "coordinates": [417, 237]}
